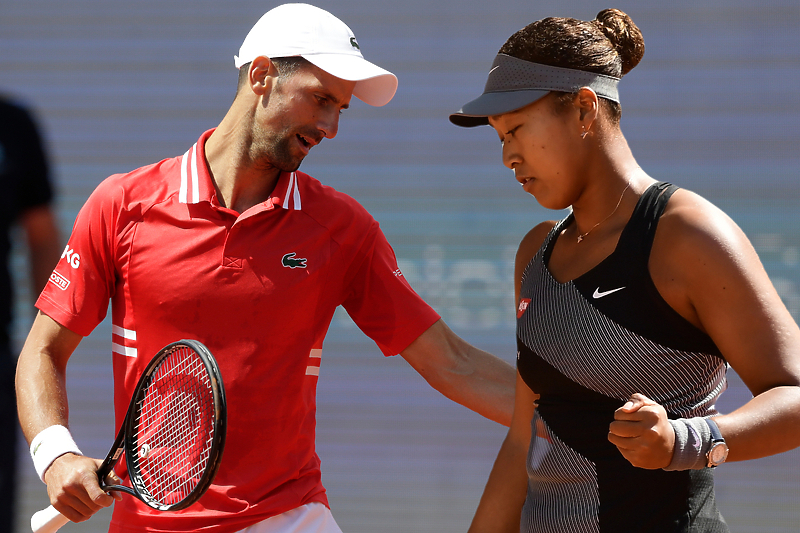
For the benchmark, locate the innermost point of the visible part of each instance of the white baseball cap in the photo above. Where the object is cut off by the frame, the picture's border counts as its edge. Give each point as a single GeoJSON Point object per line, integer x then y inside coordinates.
{"type": "Point", "coordinates": [303, 30]}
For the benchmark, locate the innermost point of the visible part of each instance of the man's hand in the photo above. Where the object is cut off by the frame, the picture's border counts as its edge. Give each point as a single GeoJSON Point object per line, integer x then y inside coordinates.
{"type": "Point", "coordinates": [642, 433]}
{"type": "Point", "coordinates": [74, 489]}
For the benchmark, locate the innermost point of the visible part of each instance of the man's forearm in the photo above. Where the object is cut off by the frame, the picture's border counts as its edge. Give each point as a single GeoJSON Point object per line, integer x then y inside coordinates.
{"type": "Point", "coordinates": [41, 376]}
{"type": "Point", "coordinates": [487, 387]}
{"type": "Point", "coordinates": [41, 394]}
{"type": "Point", "coordinates": [467, 375]}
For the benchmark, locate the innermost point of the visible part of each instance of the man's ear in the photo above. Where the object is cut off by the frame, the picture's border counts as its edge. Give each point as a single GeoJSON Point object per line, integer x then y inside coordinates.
{"type": "Point", "coordinates": [261, 75]}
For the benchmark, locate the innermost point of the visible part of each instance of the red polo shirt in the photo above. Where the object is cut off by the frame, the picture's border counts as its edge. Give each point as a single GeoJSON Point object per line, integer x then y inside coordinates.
{"type": "Point", "coordinates": [258, 288]}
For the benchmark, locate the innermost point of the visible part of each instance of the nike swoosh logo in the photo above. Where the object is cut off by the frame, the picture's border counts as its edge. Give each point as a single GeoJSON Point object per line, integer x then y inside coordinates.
{"type": "Point", "coordinates": [495, 68]}
{"type": "Point", "coordinates": [598, 294]}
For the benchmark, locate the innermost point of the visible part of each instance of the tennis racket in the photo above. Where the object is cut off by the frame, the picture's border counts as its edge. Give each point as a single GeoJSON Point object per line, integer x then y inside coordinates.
{"type": "Point", "coordinates": [172, 436]}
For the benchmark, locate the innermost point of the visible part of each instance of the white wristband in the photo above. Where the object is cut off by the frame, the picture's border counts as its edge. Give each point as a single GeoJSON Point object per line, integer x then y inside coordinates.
{"type": "Point", "coordinates": [50, 444]}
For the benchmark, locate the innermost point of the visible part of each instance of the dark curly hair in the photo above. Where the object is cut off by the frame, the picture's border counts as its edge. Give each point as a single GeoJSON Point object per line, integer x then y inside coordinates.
{"type": "Point", "coordinates": [611, 44]}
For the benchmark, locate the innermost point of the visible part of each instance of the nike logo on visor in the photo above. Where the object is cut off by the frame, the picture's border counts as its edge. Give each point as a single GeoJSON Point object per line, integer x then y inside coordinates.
{"type": "Point", "coordinates": [597, 294]}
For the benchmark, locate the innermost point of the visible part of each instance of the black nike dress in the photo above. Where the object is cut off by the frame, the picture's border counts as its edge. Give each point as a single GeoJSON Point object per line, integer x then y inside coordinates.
{"type": "Point", "coordinates": [585, 346]}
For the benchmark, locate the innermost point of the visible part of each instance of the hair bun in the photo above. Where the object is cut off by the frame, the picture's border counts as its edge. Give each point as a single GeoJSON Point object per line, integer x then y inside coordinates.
{"type": "Point", "coordinates": [624, 35]}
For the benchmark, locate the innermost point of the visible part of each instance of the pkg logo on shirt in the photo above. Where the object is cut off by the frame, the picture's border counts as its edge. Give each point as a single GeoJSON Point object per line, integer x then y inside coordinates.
{"type": "Point", "coordinates": [73, 259]}
{"type": "Point", "coordinates": [60, 281]}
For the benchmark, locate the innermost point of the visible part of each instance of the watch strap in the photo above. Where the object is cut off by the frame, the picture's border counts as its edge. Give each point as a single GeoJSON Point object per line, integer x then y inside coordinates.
{"type": "Point", "coordinates": [716, 436]}
{"type": "Point", "coordinates": [718, 451]}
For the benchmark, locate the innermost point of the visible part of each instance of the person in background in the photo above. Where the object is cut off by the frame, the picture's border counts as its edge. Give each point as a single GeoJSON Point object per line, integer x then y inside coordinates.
{"type": "Point", "coordinates": [27, 200]}
{"type": "Point", "coordinates": [629, 310]}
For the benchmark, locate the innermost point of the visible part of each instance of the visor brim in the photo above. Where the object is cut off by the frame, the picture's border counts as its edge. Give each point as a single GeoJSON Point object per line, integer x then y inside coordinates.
{"type": "Point", "coordinates": [478, 111]}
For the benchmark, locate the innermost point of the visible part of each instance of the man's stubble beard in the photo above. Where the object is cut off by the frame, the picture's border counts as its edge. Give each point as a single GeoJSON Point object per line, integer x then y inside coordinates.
{"type": "Point", "coordinates": [274, 150]}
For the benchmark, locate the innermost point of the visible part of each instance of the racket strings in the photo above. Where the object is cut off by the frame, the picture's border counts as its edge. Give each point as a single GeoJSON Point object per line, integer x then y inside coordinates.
{"type": "Point", "coordinates": [174, 427]}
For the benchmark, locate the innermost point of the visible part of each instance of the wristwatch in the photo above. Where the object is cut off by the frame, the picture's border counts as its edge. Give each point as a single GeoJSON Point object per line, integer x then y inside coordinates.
{"type": "Point", "coordinates": [719, 450]}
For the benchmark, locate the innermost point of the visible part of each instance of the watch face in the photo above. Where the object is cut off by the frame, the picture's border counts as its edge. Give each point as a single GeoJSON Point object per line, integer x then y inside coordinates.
{"type": "Point", "coordinates": [717, 454]}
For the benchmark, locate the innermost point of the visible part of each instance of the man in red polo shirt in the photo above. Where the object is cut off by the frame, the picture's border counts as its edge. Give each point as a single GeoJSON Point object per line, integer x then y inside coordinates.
{"type": "Point", "coordinates": [231, 245]}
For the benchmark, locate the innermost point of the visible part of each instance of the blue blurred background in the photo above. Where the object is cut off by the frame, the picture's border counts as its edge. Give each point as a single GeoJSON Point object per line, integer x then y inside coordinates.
{"type": "Point", "coordinates": [117, 85]}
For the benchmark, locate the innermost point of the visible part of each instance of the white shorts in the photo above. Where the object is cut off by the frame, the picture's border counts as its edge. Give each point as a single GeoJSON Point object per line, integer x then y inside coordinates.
{"type": "Point", "coordinates": [309, 518]}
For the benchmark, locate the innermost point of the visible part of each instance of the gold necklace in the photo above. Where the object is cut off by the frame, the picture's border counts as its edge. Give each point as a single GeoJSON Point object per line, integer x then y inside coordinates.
{"type": "Point", "coordinates": [583, 235]}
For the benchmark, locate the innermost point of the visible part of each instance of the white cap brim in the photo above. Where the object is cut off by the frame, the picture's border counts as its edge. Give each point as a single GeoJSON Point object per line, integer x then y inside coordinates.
{"type": "Point", "coordinates": [374, 85]}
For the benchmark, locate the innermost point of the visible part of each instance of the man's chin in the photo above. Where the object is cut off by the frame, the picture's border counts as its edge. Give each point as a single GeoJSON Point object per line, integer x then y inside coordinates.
{"type": "Point", "coordinates": [286, 166]}
{"type": "Point", "coordinates": [290, 164]}
{"type": "Point", "coordinates": [292, 168]}
{"type": "Point", "coordinates": [285, 159]}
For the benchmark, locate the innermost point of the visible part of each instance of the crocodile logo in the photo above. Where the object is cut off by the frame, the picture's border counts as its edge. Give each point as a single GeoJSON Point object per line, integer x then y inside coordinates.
{"type": "Point", "coordinates": [354, 43]}
{"type": "Point", "coordinates": [289, 261]}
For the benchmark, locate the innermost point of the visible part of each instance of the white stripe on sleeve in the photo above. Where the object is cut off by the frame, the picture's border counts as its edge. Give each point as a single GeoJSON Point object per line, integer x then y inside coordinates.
{"type": "Point", "coordinates": [124, 333]}
{"type": "Point", "coordinates": [124, 350]}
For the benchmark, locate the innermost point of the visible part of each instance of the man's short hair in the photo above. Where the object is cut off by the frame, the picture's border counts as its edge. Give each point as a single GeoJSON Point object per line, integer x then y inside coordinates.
{"type": "Point", "coordinates": [286, 66]}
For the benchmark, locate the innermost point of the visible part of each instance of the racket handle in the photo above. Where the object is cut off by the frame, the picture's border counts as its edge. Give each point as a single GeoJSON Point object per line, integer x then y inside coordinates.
{"type": "Point", "coordinates": [47, 521]}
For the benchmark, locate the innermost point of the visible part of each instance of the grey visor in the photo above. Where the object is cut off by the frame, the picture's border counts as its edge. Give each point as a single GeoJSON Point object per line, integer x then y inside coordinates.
{"type": "Point", "coordinates": [514, 83]}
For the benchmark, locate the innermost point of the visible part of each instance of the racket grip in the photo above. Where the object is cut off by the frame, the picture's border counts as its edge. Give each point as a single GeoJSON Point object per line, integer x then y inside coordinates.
{"type": "Point", "coordinates": [47, 521]}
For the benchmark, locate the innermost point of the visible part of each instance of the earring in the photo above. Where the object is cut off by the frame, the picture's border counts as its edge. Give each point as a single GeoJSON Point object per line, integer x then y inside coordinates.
{"type": "Point", "coordinates": [585, 132]}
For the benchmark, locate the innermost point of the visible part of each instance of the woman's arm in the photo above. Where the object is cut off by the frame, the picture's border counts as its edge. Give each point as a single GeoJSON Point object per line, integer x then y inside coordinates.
{"type": "Point", "coordinates": [707, 270]}
{"type": "Point", "coordinates": [501, 504]}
